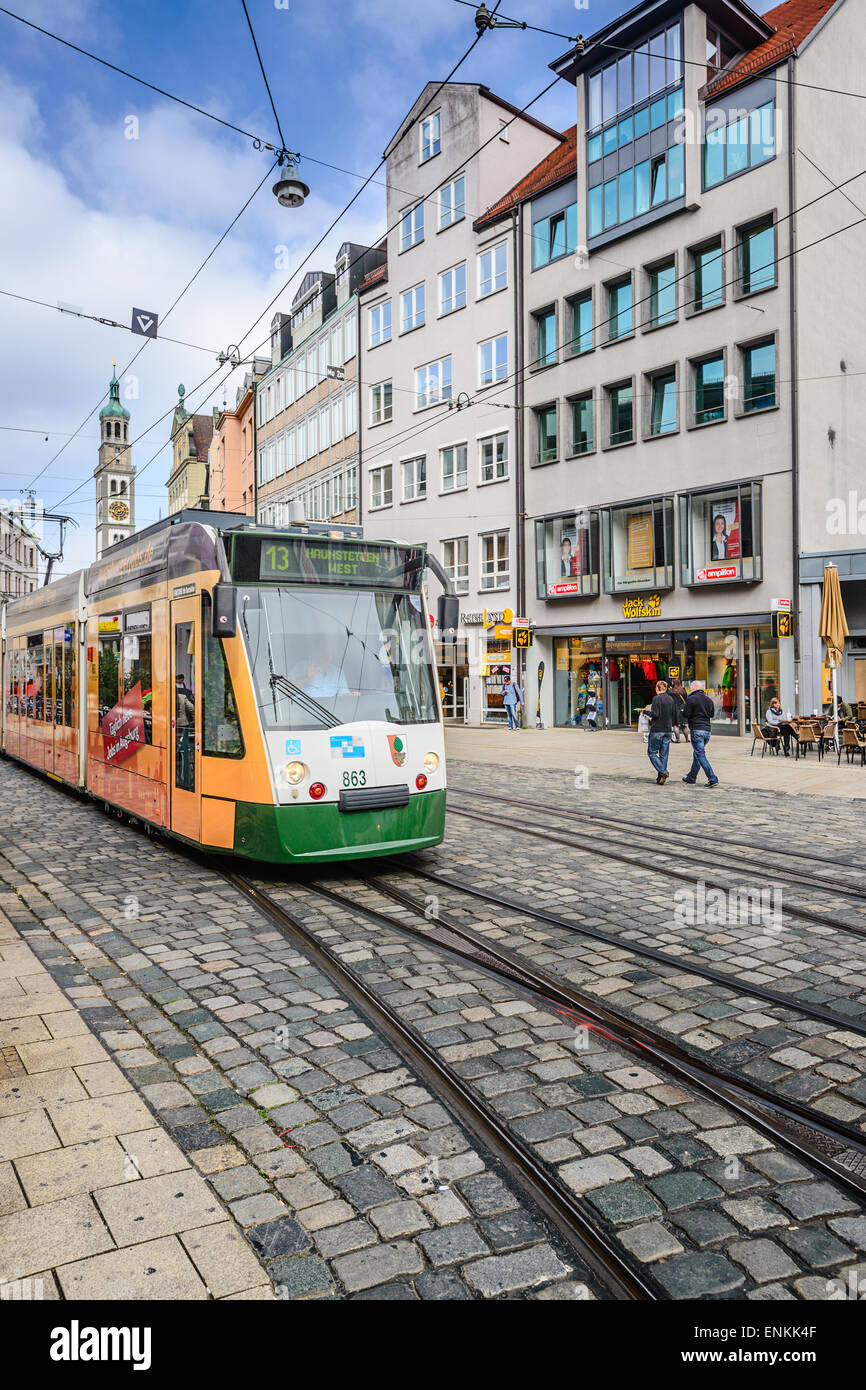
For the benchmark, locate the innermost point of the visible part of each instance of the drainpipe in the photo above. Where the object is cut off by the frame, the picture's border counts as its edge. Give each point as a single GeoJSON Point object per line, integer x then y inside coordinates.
{"type": "Point", "coordinates": [519, 482]}
{"type": "Point", "coordinates": [795, 395]}
{"type": "Point", "coordinates": [255, 447]}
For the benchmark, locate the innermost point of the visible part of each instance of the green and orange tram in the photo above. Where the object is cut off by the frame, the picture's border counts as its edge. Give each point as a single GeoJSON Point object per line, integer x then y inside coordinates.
{"type": "Point", "coordinates": [257, 691]}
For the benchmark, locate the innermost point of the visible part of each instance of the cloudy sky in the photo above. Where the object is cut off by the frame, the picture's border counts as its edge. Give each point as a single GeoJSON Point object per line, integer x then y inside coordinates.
{"type": "Point", "coordinates": [97, 220]}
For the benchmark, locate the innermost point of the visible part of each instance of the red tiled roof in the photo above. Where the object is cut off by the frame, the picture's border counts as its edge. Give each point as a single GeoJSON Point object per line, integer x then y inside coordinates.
{"type": "Point", "coordinates": [560, 164]}
{"type": "Point", "coordinates": [378, 274]}
{"type": "Point", "coordinates": [793, 21]}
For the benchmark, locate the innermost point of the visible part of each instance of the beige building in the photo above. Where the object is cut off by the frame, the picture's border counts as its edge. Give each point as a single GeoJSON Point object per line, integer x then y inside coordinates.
{"type": "Point", "coordinates": [19, 557]}
{"type": "Point", "coordinates": [232, 449]}
{"type": "Point", "coordinates": [307, 404]}
{"type": "Point", "coordinates": [191, 435]}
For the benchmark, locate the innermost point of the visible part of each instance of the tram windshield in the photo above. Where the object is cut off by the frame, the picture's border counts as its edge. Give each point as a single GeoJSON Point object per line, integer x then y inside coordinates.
{"type": "Point", "coordinates": [326, 657]}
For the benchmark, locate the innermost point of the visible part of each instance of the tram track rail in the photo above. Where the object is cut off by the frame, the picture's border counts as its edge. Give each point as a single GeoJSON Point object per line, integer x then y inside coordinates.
{"type": "Point", "coordinates": [835, 1148]}
{"type": "Point", "coordinates": [602, 850]}
{"type": "Point", "coordinates": [619, 1276]}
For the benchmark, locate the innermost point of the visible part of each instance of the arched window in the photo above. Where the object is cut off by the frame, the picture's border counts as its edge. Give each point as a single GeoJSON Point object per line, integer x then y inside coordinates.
{"type": "Point", "coordinates": [117, 429]}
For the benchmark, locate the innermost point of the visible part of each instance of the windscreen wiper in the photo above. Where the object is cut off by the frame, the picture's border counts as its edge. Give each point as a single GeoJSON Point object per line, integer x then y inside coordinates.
{"type": "Point", "coordinates": [300, 697]}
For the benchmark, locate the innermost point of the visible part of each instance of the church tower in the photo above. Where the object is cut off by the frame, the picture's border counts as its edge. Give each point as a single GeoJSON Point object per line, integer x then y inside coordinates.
{"type": "Point", "coordinates": [114, 473]}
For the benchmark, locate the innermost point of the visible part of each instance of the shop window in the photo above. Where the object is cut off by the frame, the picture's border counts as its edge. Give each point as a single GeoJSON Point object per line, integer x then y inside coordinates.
{"type": "Point", "coordinates": [582, 439]}
{"type": "Point", "coordinates": [222, 736]}
{"type": "Point", "coordinates": [577, 671]}
{"type": "Point", "coordinates": [137, 662]}
{"type": "Point", "coordinates": [639, 545]}
{"type": "Point", "coordinates": [720, 535]}
{"type": "Point", "coordinates": [708, 389]}
{"type": "Point", "coordinates": [567, 555]}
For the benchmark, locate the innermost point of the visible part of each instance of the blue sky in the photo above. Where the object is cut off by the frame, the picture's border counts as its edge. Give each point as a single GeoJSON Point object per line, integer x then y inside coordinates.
{"type": "Point", "coordinates": [97, 220]}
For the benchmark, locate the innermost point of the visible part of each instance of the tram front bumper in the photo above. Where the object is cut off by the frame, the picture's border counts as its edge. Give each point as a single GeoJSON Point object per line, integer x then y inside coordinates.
{"type": "Point", "coordinates": [320, 834]}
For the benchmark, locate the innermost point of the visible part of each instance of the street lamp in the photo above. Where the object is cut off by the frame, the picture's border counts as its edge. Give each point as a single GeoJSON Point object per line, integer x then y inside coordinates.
{"type": "Point", "coordinates": [288, 190]}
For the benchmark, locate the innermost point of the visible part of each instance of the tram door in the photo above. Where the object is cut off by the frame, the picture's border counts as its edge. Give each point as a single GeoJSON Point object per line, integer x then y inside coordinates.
{"type": "Point", "coordinates": [185, 719]}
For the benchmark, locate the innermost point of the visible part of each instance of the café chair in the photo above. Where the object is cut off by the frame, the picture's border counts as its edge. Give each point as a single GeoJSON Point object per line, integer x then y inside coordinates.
{"type": "Point", "coordinates": [852, 742]}
{"type": "Point", "coordinates": [828, 737]}
{"type": "Point", "coordinates": [770, 740]}
{"type": "Point", "coordinates": [808, 734]}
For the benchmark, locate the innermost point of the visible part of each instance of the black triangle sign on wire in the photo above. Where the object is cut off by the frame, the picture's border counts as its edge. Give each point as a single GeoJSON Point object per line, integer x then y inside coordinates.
{"type": "Point", "coordinates": [145, 323]}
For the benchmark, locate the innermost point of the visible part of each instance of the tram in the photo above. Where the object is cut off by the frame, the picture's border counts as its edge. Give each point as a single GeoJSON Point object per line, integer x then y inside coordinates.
{"type": "Point", "coordinates": [264, 692]}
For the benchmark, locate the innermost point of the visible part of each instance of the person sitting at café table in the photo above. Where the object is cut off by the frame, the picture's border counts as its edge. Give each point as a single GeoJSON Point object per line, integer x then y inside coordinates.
{"type": "Point", "coordinates": [775, 719]}
{"type": "Point", "coordinates": [843, 711]}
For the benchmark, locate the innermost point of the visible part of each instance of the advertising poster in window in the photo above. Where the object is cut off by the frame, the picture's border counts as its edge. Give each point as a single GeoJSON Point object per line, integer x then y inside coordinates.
{"type": "Point", "coordinates": [725, 535]}
{"type": "Point", "coordinates": [640, 542]}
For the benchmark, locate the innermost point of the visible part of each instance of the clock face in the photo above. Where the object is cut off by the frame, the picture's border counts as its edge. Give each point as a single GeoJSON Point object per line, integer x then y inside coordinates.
{"type": "Point", "coordinates": [118, 511]}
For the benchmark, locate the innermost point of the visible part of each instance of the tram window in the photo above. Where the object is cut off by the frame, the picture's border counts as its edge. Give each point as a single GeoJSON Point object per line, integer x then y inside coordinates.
{"type": "Point", "coordinates": [109, 663]}
{"type": "Point", "coordinates": [184, 706]}
{"type": "Point", "coordinates": [222, 727]}
{"type": "Point", "coordinates": [69, 672]}
{"type": "Point", "coordinates": [34, 679]}
{"type": "Point", "coordinates": [137, 660]}
{"type": "Point", "coordinates": [57, 705]}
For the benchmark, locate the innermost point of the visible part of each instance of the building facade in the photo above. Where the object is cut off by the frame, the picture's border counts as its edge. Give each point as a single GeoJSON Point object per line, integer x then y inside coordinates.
{"type": "Point", "coordinates": [191, 435]}
{"type": "Point", "coordinates": [114, 474]}
{"type": "Point", "coordinates": [19, 556]}
{"type": "Point", "coordinates": [307, 404]}
{"type": "Point", "coordinates": [233, 449]}
{"type": "Point", "coordinates": [438, 340]}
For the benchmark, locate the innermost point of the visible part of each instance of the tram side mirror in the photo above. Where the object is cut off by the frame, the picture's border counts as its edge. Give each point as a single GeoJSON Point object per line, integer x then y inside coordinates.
{"type": "Point", "coordinates": [225, 610]}
{"type": "Point", "coordinates": [449, 612]}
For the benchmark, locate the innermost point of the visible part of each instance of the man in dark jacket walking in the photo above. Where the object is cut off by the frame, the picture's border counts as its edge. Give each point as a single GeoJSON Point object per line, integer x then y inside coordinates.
{"type": "Point", "coordinates": [663, 716]}
{"type": "Point", "coordinates": [698, 714]}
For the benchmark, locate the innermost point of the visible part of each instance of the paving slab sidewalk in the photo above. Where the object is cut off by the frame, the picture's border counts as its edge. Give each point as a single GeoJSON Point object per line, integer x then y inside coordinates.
{"type": "Point", "coordinates": [96, 1199]}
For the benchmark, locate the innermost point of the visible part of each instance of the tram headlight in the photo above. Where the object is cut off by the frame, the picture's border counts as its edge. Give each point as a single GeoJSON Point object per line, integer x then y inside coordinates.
{"type": "Point", "coordinates": [295, 772]}
{"type": "Point", "coordinates": [431, 762]}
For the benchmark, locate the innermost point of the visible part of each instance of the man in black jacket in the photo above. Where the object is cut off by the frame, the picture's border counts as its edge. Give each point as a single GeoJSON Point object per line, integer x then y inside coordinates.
{"type": "Point", "coordinates": [698, 714]}
{"type": "Point", "coordinates": [663, 716]}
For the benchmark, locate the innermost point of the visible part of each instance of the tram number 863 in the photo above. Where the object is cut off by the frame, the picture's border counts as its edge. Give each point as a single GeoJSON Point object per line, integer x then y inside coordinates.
{"type": "Point", "coordinates": [354, 779]}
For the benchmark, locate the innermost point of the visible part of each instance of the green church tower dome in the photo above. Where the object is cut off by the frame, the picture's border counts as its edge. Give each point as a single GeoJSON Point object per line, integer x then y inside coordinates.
{"type": "Point", "coordinates": [113, 407]}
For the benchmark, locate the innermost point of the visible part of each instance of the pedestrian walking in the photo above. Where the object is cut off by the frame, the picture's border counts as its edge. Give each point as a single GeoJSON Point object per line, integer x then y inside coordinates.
{"type": "Point", "coordinates": [513, 697]}
{"type": "Point", "coordinates": [699, 711]}
{"type": "Point", "coordinates": [663, 716]}
{"type": "Point", "coordinates": [680, 728]}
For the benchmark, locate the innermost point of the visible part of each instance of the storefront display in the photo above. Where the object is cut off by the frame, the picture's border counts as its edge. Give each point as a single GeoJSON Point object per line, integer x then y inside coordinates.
{"type": "Point", "coordinates": [577, 671]}
{"type": "Point", "coordinates": [452, 661]}
{"type": "Point", "coordinates": [639, 545]}
{"type": "Point", "coordinates": [496, 672]}
{"type": "Point", "coordinates": [567, 553]}
{"type": "Point", "coordinates": [720, 535]}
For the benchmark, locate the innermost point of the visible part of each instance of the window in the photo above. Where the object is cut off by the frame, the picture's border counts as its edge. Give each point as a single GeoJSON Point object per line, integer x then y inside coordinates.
{"type": "Point", "coordinates": [350, 406]}
{"type": "Point", "coordinates": [414, 474]}
{"type": "Point", "coordinates": [350, 337]}
{"type": "Point", "coordinates": [221, 726]}
{"type": "Point", "coordinates": [433, 383]}
{"type": "Point", "coordinates": [109, 671]}
{"type": "Point", "coordinates": [493, 360]}
{"type": "Point", "coordinates": [756, 256]}
{"type": "Point", "coordinates": [639, 545]}
{"type": "Point", "coordinates": [380, 324]}
{"type": "Point", "coordinates": [720, 51]}
{"type": "Point", "coordinates": [455, 562]}
{"type": "Point", "coordinates": [620, 401]}
{"type": "Point", "coordinates": [337, 431]}
{"type": "Point", "coordinates": [493, 457]}
{"type": "Point", "coordinates": [337, 358]}
{"type": "Point", "coordinates": [381, 494]}
{"type": "Point", "coordinates": [720, 534]}
{"type": "Point", "coordinates": [582, 438]}
{"type": "Point", "coordinates": [709, 389]}
{"type": "Point", "coordinates": [567, 555]}
{"type": "Point", "coordinates": [545, 338]}
{"type": "Point", "coordinates": [452, 202]}
{"type": "Point", "coordinates": [324, 428]}
{"type": "Point", "coordinates": [662, 402]}
{"type": "Point", "coordinates": [495, 569]}
{"type": "Point", "coordinates": [737, 141]}
{"type": "Point", "coordinates": [708, 275]}
{"type": "Point", "coordinates": [431, 136]}
{"type": "Point", "coordinates": [759, 376]}
{"type": "Point", "coordinates": [452, 289]}
{"type": "Point", "coordinates": [493, 270]}
{"type": "Point", "coordinates": [581, 322]}
{"type": "Point", "coordinates": [412, 227]}
{"type": "Point", "coordinates": [620, 322]}
{"type": "Point", "coordinates": [503, 131]}
{"type": "Point", "coordinates": [312, 436]}
{"type": "Point", "coordinates": [554, 236]}
{"type": "Point", "coordinates": [662, 303]}
{"type": "Point", "coordinates": [412, 309]}
{"type": "Point", "coordinates": [455, 471]}
{"type": "Point", "coordinates": [381, 409]}
{"type": "Point", "coordinates": [546, 428]}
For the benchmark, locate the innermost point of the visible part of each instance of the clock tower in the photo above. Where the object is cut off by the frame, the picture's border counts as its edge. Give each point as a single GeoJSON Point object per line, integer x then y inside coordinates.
{"type": "Point", "coordinates": [114, 474]}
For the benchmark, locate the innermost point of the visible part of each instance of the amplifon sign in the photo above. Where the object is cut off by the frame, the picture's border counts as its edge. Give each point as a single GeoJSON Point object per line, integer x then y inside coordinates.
{"type": "Point", "coordinates": [123, 727]}
{"type": "Point", "coordinates": [718, 572]}
{"type": "Point", "coordinates": [557, 590]}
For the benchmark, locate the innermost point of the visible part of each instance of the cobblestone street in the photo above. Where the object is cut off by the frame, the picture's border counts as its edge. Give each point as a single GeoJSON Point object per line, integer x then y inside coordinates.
{"type": "Point", "coordinates": [191, 1108]}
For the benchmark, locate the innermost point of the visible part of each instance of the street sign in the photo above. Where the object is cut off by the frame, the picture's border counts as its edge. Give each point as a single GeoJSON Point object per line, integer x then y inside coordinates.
{"type": "Point", "coordinates": [674, 672]}
{"type": "Point", "coordinates": [523, 637]}
{"type": "Point", "coordinates": [521, 622]}
{"type": "Point", "coordinates": [144, 323]}
{"type": "Point", "coordinates": [503, 631]}
{"type": "Point", "coordinates": [337, 373]}
{"type": "Point", "coordinates": [781, 605]}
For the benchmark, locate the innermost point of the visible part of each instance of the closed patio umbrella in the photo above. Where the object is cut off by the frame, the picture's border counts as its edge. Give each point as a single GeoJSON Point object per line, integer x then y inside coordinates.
{"type": "Point", "coordinates": [833, 628]}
